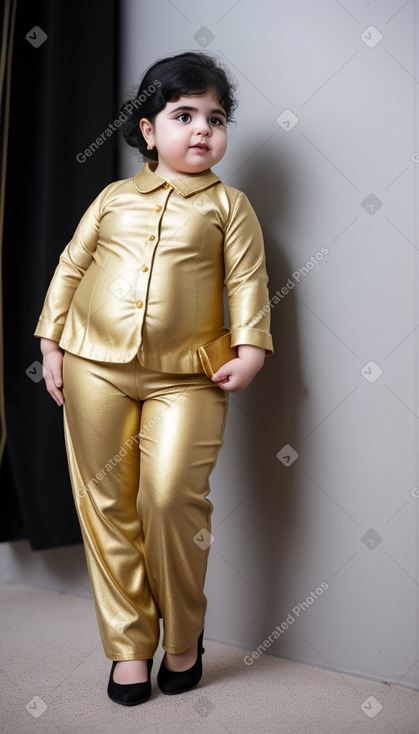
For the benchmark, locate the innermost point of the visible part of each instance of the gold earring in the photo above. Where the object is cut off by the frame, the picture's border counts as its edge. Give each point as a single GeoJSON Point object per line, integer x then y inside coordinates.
{"type": "Point", "coordinates": [150, 147]}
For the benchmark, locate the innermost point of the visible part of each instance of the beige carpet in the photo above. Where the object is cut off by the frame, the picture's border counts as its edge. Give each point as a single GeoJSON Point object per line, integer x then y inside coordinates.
{"type": "Point", "coordinates": [54, 677]}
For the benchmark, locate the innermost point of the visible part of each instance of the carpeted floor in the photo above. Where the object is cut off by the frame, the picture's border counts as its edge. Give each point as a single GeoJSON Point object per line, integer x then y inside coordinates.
{"type": "Point", "coordinates": [54, 677]}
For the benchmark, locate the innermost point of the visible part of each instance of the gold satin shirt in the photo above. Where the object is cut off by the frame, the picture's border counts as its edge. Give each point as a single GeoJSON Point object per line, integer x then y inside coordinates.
{"type": "Point", "coordinates": [145, 270]}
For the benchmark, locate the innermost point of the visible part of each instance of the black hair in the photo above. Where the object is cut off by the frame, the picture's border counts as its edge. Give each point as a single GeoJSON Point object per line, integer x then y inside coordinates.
{"type": "Point", "coordinates": [165, 81]}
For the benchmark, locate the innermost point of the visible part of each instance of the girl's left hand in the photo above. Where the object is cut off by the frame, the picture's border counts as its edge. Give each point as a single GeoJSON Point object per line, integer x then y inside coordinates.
{"type": "Point", "coordinates": [238, 373]}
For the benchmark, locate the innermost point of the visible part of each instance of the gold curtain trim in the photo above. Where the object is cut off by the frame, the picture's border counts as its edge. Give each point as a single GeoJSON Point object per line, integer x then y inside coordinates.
{"type": "Point", "coordinates": [5, 83]}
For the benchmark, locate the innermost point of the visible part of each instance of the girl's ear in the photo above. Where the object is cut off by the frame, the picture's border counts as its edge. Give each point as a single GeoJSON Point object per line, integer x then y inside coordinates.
{"type": "Point", "coordinates": [147, 130]}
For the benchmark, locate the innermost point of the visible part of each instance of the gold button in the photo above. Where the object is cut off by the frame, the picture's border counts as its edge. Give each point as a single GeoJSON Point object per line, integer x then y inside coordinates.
{"type": "Point", "coordinates": [157, 208]}
{"type": "Point", "coordinates": [151, 237]}
{"type": "Point", "coordinates": [167, 185]}
{"type": "Point", "coordinates": [139, 304]}
{"type": "Point", "coordinates": [144, 268]}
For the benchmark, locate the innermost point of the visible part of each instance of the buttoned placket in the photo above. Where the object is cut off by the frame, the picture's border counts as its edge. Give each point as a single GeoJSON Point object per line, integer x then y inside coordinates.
{"type": "Point", "coordinates": [157, 205]}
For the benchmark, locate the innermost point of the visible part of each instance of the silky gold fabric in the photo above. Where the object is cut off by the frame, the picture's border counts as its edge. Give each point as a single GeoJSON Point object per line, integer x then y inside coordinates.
{"type": "Point", "coordinates": [141, 445]}
{"type": "Point", "coordinates": [145, 272]}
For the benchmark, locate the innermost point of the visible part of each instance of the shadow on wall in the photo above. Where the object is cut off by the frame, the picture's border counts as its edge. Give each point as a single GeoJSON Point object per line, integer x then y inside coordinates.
{"type": "Point", "coordinates": [272, 403]}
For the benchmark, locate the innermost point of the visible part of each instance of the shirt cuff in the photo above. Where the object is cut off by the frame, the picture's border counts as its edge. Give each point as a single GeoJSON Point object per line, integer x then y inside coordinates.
{"type": "Point", "coordinates": [254, 337]}
{"type": "Point", "coordinates": [47, 330]}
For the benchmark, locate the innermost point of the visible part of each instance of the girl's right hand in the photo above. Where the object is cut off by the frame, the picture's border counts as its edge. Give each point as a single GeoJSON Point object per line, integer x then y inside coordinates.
{"type": "Point", "coordinates": [52, 368]}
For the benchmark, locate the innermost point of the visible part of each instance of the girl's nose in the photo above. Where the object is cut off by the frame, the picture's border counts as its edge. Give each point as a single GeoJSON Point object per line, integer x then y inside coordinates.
{"type": "Point", "coordinates": [203, 127]}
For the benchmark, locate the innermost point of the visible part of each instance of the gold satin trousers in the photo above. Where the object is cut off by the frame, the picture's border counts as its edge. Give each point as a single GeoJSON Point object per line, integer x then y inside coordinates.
{"type": "Point", "coordinates": [141, 445]}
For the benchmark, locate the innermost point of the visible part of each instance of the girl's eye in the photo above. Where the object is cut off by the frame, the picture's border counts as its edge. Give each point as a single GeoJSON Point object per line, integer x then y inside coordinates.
{"type": "Point", "coordinates": [182, 117]}
{"type": "Point", "coordinates": [215, 121]}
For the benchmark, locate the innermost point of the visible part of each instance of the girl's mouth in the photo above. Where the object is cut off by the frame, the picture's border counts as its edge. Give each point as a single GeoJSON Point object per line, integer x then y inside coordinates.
{"type": "Point", "coordinates": [200, 146]}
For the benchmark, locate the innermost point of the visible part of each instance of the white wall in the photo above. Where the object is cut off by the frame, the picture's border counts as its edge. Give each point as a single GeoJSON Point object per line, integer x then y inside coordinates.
{"type": "Point", "coordinates": [280, 531]}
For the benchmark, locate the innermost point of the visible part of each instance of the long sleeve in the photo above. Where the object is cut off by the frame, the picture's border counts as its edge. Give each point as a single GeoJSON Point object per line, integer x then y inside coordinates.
{"type": "Point", "coordinates": [73, 263]}
{"type": "Point", "coordinates": [246, 278]}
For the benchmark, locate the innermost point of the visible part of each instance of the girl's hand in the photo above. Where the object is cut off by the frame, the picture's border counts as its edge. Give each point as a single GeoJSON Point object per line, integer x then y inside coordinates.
{"type": "Point", "coordinates": [52, 368]}
{"type": "Point", "coordinates": [237, 374]}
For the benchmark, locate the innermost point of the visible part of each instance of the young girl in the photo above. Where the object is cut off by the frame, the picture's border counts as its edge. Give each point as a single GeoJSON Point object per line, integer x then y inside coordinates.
{"type": "Point", "coordinates": [137, 291]}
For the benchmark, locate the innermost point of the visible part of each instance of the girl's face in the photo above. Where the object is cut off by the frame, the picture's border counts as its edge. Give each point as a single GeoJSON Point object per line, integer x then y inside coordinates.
{"type": "Point", "coordinates": [189, 134]}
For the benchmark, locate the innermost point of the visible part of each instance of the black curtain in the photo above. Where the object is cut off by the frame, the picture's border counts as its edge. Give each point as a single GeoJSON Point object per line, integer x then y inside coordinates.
{"type": "Point", "coordinates": [59, 94]}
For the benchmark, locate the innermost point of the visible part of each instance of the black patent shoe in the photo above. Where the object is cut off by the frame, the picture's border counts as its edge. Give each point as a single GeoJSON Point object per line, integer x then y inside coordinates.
{"type": "Point", "coordinates": [171, 682]}
{"type": "Point", "coordinates": [130, 694]}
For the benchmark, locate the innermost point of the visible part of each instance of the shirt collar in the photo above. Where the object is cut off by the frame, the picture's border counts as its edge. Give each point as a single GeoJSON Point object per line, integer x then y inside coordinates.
{"type": "Point", "coordinates": [146, 181]}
